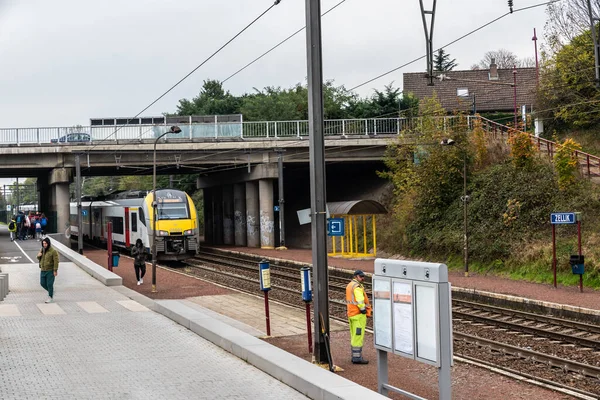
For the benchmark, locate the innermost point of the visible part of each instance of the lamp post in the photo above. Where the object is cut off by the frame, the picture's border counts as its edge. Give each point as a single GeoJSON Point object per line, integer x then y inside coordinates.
{"type": "Point", "coordinates": [174, 129]}
{"type": "Point", "coordinates": [465, 199]}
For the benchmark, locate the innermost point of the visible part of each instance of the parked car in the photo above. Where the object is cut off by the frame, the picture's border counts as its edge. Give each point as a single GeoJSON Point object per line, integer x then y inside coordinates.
{"type": "Point", "coordinates": [73, 138]}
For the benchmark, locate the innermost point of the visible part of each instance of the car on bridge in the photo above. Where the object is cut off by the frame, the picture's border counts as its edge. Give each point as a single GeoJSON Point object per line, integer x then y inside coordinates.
{"type": "Point", "coordinates": [79, 137]}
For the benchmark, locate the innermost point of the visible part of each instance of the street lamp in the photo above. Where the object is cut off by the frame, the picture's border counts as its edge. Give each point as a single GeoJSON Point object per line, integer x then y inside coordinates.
{"type": "Point", "coordinates": [174, 129]}
{"type": "Point", "coordinates": [465, 199]}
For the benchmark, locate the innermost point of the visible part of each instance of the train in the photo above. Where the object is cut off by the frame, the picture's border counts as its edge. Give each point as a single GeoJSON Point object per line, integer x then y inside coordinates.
{"type": "Point", "coordinates": [131, 215]}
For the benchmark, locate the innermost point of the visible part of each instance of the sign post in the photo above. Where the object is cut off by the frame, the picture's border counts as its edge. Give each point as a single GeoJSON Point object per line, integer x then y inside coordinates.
{"type": "Point", "coordinates": [577, 263]}
{"type": "Point", "coordinates": [265, 286]}
{"type": "Point", "coordinates": [307, 298]}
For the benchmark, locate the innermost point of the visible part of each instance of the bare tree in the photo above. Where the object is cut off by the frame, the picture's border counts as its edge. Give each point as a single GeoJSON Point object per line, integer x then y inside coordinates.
{"type": "Point", "coordinates": [566, 20]}
{"type": "Point", "coordinates": [503, 58]}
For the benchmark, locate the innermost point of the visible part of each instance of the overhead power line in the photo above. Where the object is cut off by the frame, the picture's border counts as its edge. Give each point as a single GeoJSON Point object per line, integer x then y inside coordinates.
{"type": "Point", "coordinates": [278, 44]}
{"type": "Point", "coordinates": [192, 71]}
{"type": "Point", "coordinates": [452, 42]}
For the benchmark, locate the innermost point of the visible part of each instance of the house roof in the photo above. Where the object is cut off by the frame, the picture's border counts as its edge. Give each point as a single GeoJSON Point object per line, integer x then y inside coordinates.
{"type": "Point", "coordinates": [490, 94]}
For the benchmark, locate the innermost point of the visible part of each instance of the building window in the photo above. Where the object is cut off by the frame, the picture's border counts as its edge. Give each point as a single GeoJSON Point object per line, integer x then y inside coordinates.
{"type": "Point", "coordinates": [462, 92]}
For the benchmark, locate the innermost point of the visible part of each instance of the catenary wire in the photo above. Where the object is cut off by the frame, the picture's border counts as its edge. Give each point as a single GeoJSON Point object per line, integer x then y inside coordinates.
{"type": "Point", "coordinates": [279, 44]}
{"type": "Point", "coordinates": [194, 70]}
{"type": "Point", "coordinates": [452, 42]}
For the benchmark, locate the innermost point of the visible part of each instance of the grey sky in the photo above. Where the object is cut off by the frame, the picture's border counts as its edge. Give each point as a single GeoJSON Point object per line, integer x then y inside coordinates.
{"type": "Point", "coordinates": [65, 61]}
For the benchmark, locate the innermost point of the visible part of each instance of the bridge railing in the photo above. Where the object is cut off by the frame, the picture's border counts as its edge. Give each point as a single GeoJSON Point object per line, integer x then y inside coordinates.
{"type": "Point", "coordinates": [244, 130]}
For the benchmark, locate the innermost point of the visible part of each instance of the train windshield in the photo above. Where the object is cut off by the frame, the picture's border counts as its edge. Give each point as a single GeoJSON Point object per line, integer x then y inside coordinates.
{"type": "Point", "coordinates": [173, 211]}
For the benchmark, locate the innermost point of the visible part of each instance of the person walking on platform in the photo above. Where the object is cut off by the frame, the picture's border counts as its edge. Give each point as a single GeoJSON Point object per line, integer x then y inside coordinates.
{"type": "Point", "coordinates": [48, 258]}
{"type": "Point", "coordinates": [139, 260]}
{"type": "Point", "coordinates": [359, 308]}
{"type": "Point", "coordinates": [12, 228]}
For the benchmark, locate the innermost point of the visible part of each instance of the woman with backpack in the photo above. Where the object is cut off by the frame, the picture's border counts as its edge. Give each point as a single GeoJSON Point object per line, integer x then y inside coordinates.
{"type": "Point", "coordinates": [139, 260]}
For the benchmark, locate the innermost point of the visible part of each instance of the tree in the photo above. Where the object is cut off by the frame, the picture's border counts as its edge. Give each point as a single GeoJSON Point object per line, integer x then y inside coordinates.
{"type": "Point", "coordinates": [567, 20]}
{"type": "Point", "coordinates": [567, 89]}
{"type": "Point", "coordinates": [212, 100]}
{"type": "Point", "coordinates": [504, 59]}
{"type": "Point", "coordinates": [442, 62]}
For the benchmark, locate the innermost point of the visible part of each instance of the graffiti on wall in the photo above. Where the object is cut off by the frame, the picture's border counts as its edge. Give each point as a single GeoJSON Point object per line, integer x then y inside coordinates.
{"type": "Point", "coordinates": [252, 226]}
{"type": "Point", "coordinates": [267, 226]}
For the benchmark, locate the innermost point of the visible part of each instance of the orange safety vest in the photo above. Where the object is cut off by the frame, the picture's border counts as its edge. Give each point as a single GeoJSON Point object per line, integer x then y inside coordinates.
{"type": "Point", "coordinates": [351, 303]}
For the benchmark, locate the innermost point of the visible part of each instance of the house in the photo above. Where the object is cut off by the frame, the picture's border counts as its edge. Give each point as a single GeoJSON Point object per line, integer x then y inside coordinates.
{"type": "Point", "coordinates": [491, 89]}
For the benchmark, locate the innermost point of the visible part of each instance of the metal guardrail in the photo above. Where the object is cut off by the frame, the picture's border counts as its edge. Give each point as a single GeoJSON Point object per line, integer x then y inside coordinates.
{"type": "Point", "coordinates": [219, 130]}
{"type": "Point", "coordinates": [589, 164]}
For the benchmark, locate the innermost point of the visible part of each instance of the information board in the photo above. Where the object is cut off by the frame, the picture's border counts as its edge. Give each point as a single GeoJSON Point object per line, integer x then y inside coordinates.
{"type": "Point", "coordinates": [382, 316]}
{"type": "Point", "coordinates": [403, 318]}
{"type": "Point", "coordinates": [426, 310]}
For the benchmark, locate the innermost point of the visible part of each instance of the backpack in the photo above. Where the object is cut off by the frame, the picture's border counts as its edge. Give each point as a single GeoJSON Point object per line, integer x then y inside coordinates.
{"type": "Point", "coordinates": [11, 226]}
{"type": "Point", "coordinates": [19, 219]}
{"type": "Point", "coordinates": [44, 222]}
{"type": "Point", "coordinates": [38, 226]}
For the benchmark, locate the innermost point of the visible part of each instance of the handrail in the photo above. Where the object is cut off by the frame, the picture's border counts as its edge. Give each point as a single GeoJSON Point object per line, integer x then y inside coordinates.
{"type": "Point", "coordinates": [589, 163]}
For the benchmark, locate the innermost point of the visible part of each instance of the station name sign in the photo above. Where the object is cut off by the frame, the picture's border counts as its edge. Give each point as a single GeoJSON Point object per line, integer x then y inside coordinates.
{"type": "Point", "coordinates": [563, 218]}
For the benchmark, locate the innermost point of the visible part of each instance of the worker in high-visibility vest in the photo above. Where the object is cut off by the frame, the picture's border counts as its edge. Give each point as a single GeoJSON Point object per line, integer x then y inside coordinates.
{"type": "Point", "coordinates": [359, 308]}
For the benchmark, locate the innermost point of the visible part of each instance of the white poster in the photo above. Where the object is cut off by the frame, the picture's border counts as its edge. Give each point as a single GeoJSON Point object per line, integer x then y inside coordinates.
{"type": "Point", "coordinates": [426, 322]}
{"type": "Point", "coordinates": [403, 317]}
{"type": "Point", "coordinates": [382, 307]}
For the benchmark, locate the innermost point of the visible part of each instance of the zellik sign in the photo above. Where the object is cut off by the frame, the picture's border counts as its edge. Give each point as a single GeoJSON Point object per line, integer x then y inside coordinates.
{"type": "Point", "coordinates": [563, 218]}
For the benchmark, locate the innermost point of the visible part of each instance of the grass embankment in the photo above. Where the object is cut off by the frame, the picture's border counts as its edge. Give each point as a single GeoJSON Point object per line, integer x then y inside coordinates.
{"type": "Point", "coordinates": [509, 226]}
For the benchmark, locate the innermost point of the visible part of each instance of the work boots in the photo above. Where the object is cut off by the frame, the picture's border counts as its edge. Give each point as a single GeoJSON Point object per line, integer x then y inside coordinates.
{"type": "Point", "coordinates": [357, 356]}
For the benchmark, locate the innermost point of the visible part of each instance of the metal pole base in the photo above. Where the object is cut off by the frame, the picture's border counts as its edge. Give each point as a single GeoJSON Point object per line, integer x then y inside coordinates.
{"type": "Point", "coordinates": [153, 288]}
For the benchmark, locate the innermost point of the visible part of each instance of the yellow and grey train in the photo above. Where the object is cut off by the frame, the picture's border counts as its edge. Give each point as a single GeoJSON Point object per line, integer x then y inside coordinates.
{"type": "Point", "coordinates": [132, 217]}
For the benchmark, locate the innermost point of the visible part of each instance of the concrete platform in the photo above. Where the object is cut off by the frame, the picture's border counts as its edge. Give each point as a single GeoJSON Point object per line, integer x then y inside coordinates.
{"type": "Point", "coordinates": [107, 342]}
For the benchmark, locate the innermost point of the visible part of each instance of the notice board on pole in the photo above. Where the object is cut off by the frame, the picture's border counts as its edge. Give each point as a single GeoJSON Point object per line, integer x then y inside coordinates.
{"type": "Point", "coordinates": [403, 318]}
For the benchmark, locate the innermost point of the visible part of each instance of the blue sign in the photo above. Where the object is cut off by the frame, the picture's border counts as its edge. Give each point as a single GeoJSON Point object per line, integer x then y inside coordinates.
{"type": "Point", "coordinates": [84, 212]}
{"type": "Point", "coordinates": [563, 218]}
{"type": "Point", "coordinates": [335, 226]}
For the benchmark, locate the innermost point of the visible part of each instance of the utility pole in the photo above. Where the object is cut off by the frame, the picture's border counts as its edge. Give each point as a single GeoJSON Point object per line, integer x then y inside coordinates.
{"type": "Point", "coordinates": [78, 194]}
{"type": "Point", "coordinates": [317, 177]}
{"type": "Point", "coordinates": [281, 200]}
{"type": "Point", "coordinates": [593, 21]}
{"type": "Point", "coordinates": [515, 92]}
{"type": "Point", "coordinates": [537, 66]}
{"type": "Point", "coordinates": [428, 38]}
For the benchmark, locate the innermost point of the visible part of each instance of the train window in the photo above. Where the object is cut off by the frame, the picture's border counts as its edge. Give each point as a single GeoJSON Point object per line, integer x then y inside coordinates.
{"type": "Point", "coordinates": [117, 224]}
{"type": "Point", "coordinates": [173, 211]}
{"type": "Point", "coordinates": [133, 222]}
{"type": "Point", "coordinates": [142, 217]}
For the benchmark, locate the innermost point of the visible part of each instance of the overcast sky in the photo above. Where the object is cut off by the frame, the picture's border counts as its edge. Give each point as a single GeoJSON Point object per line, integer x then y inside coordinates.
{"type": "Point", "coordinates": [63, 62]}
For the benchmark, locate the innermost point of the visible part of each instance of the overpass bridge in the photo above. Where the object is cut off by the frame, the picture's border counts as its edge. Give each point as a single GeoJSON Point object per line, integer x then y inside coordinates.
{"type": "Point", "coordinates": [234, 159]}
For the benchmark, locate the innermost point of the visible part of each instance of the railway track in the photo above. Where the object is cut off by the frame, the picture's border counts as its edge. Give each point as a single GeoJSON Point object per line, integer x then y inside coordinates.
{"type": "Point", "coordinates": [556, 353]}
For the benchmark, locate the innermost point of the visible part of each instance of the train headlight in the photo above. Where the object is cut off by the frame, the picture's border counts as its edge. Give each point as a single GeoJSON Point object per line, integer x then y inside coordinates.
{"type": "Point", "coordinates": [189, 232]}
{"type": "Point", "coordinates": [163, 233]}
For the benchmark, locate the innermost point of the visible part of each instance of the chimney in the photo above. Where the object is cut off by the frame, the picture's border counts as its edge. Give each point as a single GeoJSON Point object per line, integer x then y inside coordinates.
{"type": "Point", "coordinates": [493, 70]}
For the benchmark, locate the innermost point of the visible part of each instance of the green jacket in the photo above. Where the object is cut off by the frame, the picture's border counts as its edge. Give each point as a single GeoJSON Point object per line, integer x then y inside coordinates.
{"type": "Point", "coordinates": [49, 260]}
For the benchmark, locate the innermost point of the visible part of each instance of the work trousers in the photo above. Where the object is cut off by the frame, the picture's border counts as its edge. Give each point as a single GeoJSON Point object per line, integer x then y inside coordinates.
{"type": "Point", "coordinates": [47, 281]}
{"type": "Point", "coordinates": [358, 323]}
{"type": "Point", "coordinates": [140, 271]}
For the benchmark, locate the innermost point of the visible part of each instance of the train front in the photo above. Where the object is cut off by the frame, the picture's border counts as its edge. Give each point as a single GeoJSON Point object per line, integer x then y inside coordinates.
{"type": "Point", "coordinates": [176, 225]}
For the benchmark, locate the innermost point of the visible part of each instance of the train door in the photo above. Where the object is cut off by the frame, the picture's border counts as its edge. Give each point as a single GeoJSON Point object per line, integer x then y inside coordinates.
{"type": "Point", "coordinates": [133, 213]}
{"type": "Point", "coordinates": [127, 230]}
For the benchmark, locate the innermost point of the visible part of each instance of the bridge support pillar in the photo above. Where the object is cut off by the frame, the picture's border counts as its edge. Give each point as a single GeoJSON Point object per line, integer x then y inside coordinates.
{"type": "Point", "coordinates": [252, 214]}
{"type": "Point", "coordinates": [208, 214]}
{"type": "Point", "coordinates": [267, 214]}
{"type": "Point", "coordinates": [44, 202]}
{"type": "Point", "coordinates": [228, 232]}
{"type": "Point", "coordinates": [59, 180]}
{"type": "Point", "coordinates": [239, 214]}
